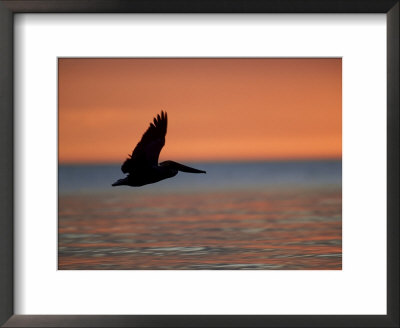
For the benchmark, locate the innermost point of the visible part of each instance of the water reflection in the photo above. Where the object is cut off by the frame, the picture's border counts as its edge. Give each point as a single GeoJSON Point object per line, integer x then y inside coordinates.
{"type": "Point", "coordinates": [280, 229]}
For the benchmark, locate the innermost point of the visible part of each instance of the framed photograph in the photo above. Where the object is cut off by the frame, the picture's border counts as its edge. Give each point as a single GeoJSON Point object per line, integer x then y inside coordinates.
{"type": "Point", "coordinates": [249, 186]}
{"type": "Point", "coordinates": [199, 164]}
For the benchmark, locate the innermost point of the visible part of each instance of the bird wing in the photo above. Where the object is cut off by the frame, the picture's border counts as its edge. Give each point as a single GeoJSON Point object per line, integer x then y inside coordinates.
{"type": "Point", "coordinates": [148, 149]}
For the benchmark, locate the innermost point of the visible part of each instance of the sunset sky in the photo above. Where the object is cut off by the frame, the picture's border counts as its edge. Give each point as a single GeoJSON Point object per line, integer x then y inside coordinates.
{"type": "Point", "coordinates": [218, 109]}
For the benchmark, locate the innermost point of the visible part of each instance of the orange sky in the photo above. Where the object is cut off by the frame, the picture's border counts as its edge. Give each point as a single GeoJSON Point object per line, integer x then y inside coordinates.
{"type": "Point", "coordinates": [218, 109]}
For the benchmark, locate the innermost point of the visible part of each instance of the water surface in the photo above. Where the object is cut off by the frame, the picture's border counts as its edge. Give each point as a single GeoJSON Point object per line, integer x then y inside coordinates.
{"type": "Point", "coordinates": [262, 215]}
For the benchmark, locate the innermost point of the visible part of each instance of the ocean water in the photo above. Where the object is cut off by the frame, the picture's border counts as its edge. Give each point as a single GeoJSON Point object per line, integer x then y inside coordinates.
{"type": "Point", "coordinates": [255, 216]}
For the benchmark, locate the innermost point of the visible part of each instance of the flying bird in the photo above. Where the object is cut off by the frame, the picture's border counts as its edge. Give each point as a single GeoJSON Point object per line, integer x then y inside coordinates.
{"type": "Point", "coordinates": [142, 165]}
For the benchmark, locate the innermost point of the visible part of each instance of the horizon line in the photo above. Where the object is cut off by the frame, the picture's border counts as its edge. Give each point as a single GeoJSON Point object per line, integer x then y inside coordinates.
{"type": "Point", "coordinates": [293, 159]}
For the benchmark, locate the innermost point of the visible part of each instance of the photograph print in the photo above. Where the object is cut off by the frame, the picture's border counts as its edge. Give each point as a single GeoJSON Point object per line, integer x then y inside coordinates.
{"type": "Point", "coordinates": [199, 164]}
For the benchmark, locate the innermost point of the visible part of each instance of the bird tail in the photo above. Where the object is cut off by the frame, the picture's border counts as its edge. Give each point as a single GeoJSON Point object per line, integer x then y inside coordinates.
{"type": "Point", "coordinates": [180, 167]}
{"type": "Point", "coordinates": [120, 182]}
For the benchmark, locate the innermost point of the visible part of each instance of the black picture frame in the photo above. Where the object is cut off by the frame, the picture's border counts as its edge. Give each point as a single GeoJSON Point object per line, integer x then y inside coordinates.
{"type": "Point", "coordinates": [10, 7]}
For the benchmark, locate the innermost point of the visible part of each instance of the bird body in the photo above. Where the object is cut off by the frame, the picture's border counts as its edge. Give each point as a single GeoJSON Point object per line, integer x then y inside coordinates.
{"type": "Point", "coordinates": [142, 165]}
{"type": "Point", "coordinates": [147, 175]}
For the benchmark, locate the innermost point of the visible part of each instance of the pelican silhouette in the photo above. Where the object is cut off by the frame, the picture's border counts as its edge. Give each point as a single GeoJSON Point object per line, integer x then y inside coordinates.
{"type": "Point", "coordinates": [142, 166]}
